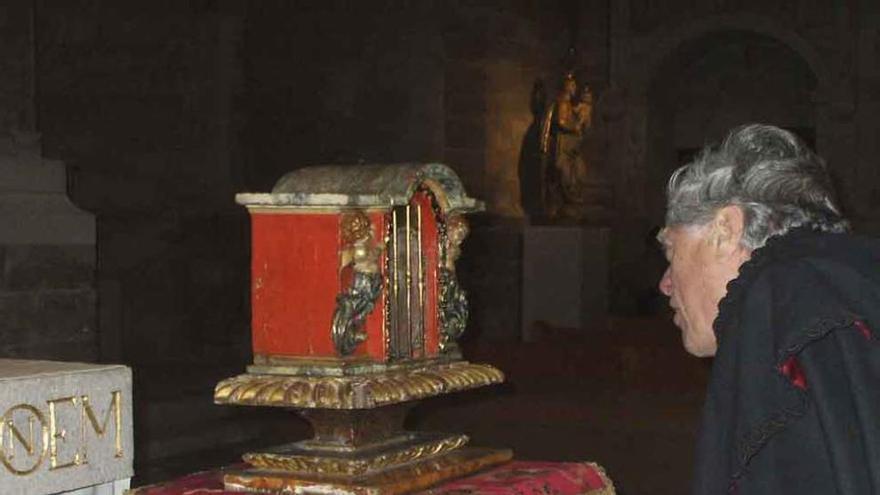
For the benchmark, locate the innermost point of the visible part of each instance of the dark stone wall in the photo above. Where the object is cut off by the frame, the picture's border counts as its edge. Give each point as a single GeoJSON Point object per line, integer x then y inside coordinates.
{"type": "Point", "coordinates": [48, 301]}
{"type": "Point", "coordinates": [16, 65]}
{"type": "Point", "coordinates": [135, 97]}
{"type": "Point", "coordinates": [340, 82]}
{"type": "Point", "coordinates": [138, 99]}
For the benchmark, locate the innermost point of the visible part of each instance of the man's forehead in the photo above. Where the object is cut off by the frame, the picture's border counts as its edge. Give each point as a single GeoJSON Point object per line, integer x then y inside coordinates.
{"type": "Point", "coordinates": [673, 234]}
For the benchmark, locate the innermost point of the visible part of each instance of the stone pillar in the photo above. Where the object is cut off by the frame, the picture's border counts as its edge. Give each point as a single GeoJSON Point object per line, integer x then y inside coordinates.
{"type": "Point", "coordinates": [47, 259]}
{"type": "Point", "coordinates": [564, 280]}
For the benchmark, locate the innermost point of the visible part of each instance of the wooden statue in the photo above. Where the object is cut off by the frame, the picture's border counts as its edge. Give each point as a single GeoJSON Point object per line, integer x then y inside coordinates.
{"type": "Point", "coordinates": [570, 175]}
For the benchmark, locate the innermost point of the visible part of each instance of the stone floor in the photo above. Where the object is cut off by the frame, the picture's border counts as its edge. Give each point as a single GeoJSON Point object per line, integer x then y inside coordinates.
{"type": "Point", "coordinates": [628, 399]}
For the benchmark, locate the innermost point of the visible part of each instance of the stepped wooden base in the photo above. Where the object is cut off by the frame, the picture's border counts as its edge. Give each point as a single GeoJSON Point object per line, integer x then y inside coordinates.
{"type": "Point", "coordinates": [360, 445]}
{"type": "Point", "coordinates": [404, 479]}
{"type": "Point", "coordinates": [303, 458]}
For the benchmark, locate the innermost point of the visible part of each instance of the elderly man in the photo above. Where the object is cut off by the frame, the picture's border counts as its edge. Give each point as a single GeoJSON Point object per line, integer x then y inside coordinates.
{"type": "Point", "coordinates": [764, 276]}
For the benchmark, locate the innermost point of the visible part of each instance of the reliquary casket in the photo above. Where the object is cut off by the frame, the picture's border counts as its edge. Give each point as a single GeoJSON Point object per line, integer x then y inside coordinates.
{"type": "Point", "coordinates": [356, 308]}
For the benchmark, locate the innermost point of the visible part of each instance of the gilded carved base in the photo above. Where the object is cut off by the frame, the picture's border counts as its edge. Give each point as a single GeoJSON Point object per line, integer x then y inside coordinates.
{"type": "Point", "coordinates": [404, 479]}
{"type": "Point", "coordinates": [339, 366]}
{"type": "Point", "coordinates": [359, 445]}
{"type": "Point", "coordinates": [299, 459]}
{"type": "Point", "coordinates": [354, 392]}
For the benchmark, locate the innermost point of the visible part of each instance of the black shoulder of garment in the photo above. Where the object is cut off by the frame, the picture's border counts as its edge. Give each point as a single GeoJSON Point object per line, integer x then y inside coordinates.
{"type": "Point", "coordinates": [793, 405]}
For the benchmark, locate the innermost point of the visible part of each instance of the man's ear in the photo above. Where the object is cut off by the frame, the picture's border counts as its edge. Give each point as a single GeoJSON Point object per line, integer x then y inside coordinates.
{"type": "Point", "coordinates": [727, 229]}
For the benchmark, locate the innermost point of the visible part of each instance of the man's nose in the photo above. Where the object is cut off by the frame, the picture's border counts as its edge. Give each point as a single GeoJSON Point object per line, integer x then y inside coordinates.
{"type": "Point", "coordinates": [666, 283]}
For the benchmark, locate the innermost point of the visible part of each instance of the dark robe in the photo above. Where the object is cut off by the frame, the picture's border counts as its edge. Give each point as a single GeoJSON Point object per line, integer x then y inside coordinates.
{"type": "Point", "coordinates": [793, 404]}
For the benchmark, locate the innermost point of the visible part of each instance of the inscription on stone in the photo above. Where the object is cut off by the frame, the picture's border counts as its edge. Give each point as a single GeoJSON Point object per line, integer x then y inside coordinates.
{"type": "Point", "coordinates": [58, 431]}
{"type": "Point", "coordinates": [64, 426]}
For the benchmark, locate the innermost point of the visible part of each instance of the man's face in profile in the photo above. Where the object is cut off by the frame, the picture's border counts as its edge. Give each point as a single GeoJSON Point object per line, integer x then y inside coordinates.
{"type": "Point", "coordinates": [689, 283]}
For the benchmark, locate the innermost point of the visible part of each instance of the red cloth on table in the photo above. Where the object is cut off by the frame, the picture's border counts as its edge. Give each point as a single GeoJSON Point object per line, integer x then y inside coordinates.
{"type": "Point", "coordinates": [524, 477]}
{"type": "Point", "coordinates": [512, 478]}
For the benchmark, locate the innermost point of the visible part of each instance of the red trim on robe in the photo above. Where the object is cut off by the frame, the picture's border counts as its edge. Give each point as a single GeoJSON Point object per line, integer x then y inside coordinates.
{"type": "Point", "coordinates": [864, 329]}
{"type": "Point", "coordinates": [792, 370]}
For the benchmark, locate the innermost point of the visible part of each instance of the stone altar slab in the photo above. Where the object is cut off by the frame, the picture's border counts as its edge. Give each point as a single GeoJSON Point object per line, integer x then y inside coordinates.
{"type": "Point", "coordinates": [565, 278]}
{"type": "Point", "coordinates": [65, 427]}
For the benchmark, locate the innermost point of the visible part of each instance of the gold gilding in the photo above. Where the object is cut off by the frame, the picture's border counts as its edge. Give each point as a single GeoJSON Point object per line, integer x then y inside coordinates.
{"type": "Point", "coordinates": [396, 251]}
{"type": "Point", "coordinates": [354, 392]}
{"type": "Point", "coordinates": [408, 276]}
{"type": "Point", "coordinates": [354, 226]}
{"type": "Point", "coordinates": [9, 433]}
{"type": "Point", "coordinates": [37, 437]}
{"type": "Point", "coordinates": [608, 489]}
{"type": "Point", "coordinates": [387, 282]}
{"type": "Point", "coordinates": [339, 466]}
{"type": "Point", "coordinates": [115, 408]}
{"type": "Point", "coordinates": [408, 478]}
{"type": "Point", "coordinates": [58, 432]}
{"type": "Point", "coordinates": [419, 260]}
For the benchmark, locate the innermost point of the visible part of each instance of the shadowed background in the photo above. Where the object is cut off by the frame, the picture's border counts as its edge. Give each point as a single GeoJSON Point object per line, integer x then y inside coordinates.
{"type": "Point", "coordinates": [163, 110]}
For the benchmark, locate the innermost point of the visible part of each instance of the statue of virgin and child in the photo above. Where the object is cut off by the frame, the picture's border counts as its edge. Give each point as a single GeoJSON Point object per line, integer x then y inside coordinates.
{"type": "Point", "coordinates": [565, 140]}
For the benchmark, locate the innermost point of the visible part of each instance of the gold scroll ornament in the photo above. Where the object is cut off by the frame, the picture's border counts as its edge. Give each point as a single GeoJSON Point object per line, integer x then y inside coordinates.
{"type": "Point", "coordinates": [354, 392]}
{"type": "Point", "coordinates": [353, 467]}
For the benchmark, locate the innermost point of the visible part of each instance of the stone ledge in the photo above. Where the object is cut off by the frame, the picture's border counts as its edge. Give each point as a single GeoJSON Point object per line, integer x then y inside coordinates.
{"type": "Point", "coordinates": [65, 425]}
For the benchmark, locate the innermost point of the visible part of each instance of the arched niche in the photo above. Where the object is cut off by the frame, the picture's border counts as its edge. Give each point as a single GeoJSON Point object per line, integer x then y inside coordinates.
{"type": "Point", "coordinates": [715, 81]}
{"type": "Point", "coordinates": [666, 43]}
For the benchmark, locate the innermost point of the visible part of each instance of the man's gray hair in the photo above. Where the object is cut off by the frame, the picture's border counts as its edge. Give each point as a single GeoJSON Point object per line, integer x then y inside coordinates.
{"type": "Point", "coordinates": [768, 172]}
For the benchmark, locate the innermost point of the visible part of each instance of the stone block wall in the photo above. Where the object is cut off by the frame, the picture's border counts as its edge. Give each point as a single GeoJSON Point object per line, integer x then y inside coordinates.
{"type": "Point", "coordinates": [340, 82]}
{"type": "Point", "coordinates": [16, 65]}
{"type": "Point", "coordinates": [48, 302]}
{"type": "Point", "coordinates": [139, 99]}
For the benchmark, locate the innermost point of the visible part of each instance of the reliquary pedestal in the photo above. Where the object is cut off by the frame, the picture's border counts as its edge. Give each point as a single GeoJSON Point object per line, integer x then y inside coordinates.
{"type": "Point", "coordinates": [356, 309]}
